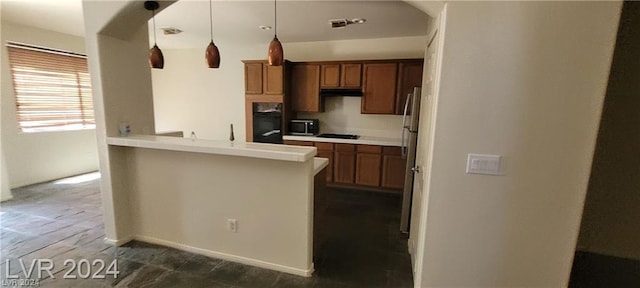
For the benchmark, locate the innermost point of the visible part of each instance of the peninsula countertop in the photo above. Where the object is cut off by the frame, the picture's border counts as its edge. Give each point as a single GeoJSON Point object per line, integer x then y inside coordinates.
{"type": "Point", "coordinates": [219, 147]}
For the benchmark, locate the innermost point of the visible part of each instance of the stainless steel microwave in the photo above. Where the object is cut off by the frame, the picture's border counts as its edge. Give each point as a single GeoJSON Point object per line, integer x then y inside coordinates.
{"type": "Point", "coordinates": [304, 127]}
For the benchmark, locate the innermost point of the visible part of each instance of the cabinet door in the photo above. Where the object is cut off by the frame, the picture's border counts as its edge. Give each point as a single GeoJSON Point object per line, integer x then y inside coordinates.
{"type": "Point", "coordinates": [345, 163]}
{"type": "Point", "coordinates": [409, 76]}
{"type": "Point", "coordinates": [330, 76]}
{"type": "Point", "coordinates": [273, 79]}
{"type": "Point", "coordinates": [379, 88]}
{"type": "Point", "coordinates": [368, 169]}
{"type": "Point", "coordinates": [329, 155]}
{"type": "Point", "coordinates": [253, 78]}
{"type": "Point", "coordinates": [350, 75]}
{"type": "Point", "coordinates": [305, 88]}
{"type": "Point", "coordinates": [393, 168]}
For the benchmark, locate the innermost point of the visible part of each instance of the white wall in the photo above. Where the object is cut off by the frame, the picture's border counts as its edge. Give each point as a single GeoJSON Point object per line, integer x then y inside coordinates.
{"type": "Point", "coordinates": [38, 157]}
{"type": "Point", "coordinates": [117, 44]}
{"type": "Point", "coordinates": [525, 80]}
{"type": "Point", "coordinates": [189, 97]}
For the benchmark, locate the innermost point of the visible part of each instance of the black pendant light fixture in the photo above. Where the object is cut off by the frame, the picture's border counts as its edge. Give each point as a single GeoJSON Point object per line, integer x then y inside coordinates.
{"type": "Point", "coordinates": [276, 54]}
{"type": "Point", "coordinates": [156, 59]}
{"type": "Point", "coordinates": [212, 54]}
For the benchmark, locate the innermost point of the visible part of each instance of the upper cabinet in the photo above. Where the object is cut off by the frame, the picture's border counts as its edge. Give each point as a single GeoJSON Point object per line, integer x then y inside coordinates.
{"type": "Point", "coordinates": [409, 76]}
{"type": "Point", "coordinates": [347, 75]}
{"type": "Point", "coordinates": [305, 88]}
{"type": "Point", "coordinates": [385, 84]}
{"type": "Point", "coordinates": [273, 79]}
{"type": "Point", "coordinates": [253, 78]}
{"type": "Point", "coordinates": [379, 88]}
{"type": "Point", "coordinates": [260, 78]}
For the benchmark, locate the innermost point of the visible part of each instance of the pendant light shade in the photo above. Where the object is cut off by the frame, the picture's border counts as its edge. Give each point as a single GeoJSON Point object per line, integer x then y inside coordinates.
{"type": "Point", "coordinates": [212, 54]}
{"type": "Point", "coordinates": [156, 59]}
{"type": "Point", "coordinates": [276, 54]}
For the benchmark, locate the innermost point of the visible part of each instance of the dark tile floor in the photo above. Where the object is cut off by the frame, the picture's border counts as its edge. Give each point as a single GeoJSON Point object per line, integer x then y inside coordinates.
{"type": "Point", "coordinates": [357, 245]}
{"type": "Point", "coordinates": [595, 270]}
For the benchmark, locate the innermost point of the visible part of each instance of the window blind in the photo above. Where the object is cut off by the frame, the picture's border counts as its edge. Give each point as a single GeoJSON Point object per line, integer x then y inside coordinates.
{"type": "Point", "coordinates": [52, 89]}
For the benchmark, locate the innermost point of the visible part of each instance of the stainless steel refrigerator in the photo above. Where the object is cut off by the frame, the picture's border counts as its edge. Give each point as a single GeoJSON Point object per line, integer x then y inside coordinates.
{"type": "Point", "coordinates": [409, 143]}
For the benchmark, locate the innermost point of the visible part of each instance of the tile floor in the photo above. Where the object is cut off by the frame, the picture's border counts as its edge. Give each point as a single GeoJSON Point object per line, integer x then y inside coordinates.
{"type": "Point", "coordinates": [595, 270]}
{"type": "Point", "coordinates": [357, 244]}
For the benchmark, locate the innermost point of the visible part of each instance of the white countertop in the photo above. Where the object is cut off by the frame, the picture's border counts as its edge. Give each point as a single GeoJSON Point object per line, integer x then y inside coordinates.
{"type": "Point", "coordinates": [362, 140]}
{"type": "Point", "coordinates": [319, 164]}
{"type": "Point", "coordinates": [218, 147]}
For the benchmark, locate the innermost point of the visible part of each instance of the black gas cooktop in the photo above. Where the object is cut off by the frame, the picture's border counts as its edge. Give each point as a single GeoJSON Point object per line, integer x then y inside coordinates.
{"type": "Point", "coordinates": [339, 136]}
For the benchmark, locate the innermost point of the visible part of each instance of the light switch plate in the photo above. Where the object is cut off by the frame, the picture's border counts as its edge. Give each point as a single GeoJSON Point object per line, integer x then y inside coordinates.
{"type": "Point", "coordinates": [484, 164]}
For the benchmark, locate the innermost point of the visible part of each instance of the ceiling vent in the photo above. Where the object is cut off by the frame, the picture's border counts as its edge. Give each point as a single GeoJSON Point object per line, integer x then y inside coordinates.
{"type": "Point", "coordinates": [171, 31]}
{"type": "Point", "coordinates": [341, 23]}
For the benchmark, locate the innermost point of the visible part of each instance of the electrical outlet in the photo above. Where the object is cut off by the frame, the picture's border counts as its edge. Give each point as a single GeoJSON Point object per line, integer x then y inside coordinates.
{"type": "Point", "coordinates": [232, 225]}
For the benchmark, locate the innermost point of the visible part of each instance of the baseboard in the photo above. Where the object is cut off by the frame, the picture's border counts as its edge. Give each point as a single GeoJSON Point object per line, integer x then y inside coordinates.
{"type": "Point", "coordinates": [117, 242]}
{"type": "Point", "coordinates": [228, 257]}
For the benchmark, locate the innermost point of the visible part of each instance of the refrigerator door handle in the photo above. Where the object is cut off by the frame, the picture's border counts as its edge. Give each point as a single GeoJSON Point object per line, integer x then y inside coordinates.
{"type": "Point", "coordinates": [404, 126]}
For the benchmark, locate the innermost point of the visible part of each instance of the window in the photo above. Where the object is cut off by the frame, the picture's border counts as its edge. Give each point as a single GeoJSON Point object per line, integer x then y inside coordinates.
{"type": "Point", "coordinates": [52, 89]}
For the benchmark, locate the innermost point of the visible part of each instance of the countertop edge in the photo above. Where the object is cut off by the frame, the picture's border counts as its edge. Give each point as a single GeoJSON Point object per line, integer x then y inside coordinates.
{"type": "Point", "coordinates": [240, 149]}
{"type": "Point", "coordinates": [363, 140]}
{"type": "Point", "coordinates": [319, 163]}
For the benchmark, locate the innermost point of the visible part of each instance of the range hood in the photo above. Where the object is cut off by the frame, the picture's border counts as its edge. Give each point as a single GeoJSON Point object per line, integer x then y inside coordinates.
{"type": "Point", "coordinates": [341, 92]}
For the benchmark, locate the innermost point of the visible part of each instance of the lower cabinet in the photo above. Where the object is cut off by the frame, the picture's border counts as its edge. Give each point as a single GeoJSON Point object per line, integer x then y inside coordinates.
{"type": "Point", "coordinates": [345, 164]}
{"type": "Point", "coordinates": [325, 150]}
{"type": "Point", "coordinates": [370, 166]}
{"type": "Point", "coordinates": [368, 160]}
{"type": "Point", "coordinates": [393, 168]}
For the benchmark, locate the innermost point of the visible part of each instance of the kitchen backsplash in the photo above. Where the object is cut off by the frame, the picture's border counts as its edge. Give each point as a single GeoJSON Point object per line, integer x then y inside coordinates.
{"type": "Point", "coordinates": [342, 115]}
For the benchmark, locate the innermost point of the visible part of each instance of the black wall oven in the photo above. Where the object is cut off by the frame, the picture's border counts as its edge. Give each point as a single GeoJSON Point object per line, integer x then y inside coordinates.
{"type": "Point", "coordinates": [267, 122]}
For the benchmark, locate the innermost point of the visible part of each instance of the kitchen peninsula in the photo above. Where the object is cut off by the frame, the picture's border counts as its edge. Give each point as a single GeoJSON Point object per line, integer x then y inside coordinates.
{"type": "Point", "coordinates": [246, 202]}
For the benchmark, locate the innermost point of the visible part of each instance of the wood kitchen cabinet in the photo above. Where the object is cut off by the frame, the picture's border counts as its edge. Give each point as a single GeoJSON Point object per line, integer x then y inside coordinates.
{"type": "Point", "coordinates": [350, 75]}
{"type": "Point", "coordinates": [368, 161]}
{"type": "Point", "coordinates": [266, 84]}
{"type": "Point", "coordinates": [261, 78]}
{"type": "Point", "coordinates": [305, 88]}
{"type": "Point", "coordinates": [325, 150]}
{"type": "Point", "coordinates": [344, 163]}
{"type": "Point", "coordinates": [347, 75]}
{"type": "Point", "coordinates": [273, 79]}
{"type": "Point", "coordinates": [393, 168]}
{"type": "Point", "coordinates": [330, 76]}
{"type": "Point", "coordinates": [379, 88]}
{"type": "Point", "coordinates": [409, 76]}
{"type": "Point", "coordinates": [253, 78]}
{"type": "Point", "coordinates": [371, 166]}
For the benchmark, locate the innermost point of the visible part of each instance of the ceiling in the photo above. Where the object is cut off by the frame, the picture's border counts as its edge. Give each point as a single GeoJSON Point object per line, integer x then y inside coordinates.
{"type": "Point", "coordinates": [63, 16]}
{"type": "Point", "coordinates": [238, 21]}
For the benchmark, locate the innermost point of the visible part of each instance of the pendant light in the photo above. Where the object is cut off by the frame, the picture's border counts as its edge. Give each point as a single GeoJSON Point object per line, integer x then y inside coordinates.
{"type": "Point", "coordinates": [276, 54]}
{"type": "Point", "coordinates": [212, 54]}
{"type": "Point", "coordinates": [156, 59]}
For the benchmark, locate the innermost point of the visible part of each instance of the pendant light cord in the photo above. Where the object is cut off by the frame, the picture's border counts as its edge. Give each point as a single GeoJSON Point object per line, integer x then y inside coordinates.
{"type": "Point", "coordinates": [153, 13]}
{"type": "Point", "coordinates": [275, 16]}
{"type": "Point", "coordinates": [211, 19]}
